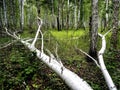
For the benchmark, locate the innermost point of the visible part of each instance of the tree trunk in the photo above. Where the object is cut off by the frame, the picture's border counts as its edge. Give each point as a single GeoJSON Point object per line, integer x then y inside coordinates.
{"type": "Point", "coordinates": [5, 14]}
{"type": "Point", "coordinates": [52, 11]}
{"type": "Point", "coordinates": [67, 23]}
{"type": "Point", "coordinates": [103, 68]}
{"type": "Point", "coordinates": [94, 29]}
{"type": "Point", "coordinates": [114, 37]}
{"type": "Point", "coordinates": [62, 14]}
{"type": "Point", "coordinates": [81, 21]}
{"type": "Point", "coordinates": [21, 5]}
{"type": "Point", "coordinates": [75, 16]}
{"type": "Point", "coordinates": [106, 15]}
{"type": "Point", "coordinates": [58, 18]}
{"type": "Point", "coordinates": [1, 22]}
{"type": "Point", "coordinates": [79, 5]}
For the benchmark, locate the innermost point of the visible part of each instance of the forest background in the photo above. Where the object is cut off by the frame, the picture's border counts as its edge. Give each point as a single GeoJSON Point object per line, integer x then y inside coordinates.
{"type": "Point", "coordinates": [66, 23]}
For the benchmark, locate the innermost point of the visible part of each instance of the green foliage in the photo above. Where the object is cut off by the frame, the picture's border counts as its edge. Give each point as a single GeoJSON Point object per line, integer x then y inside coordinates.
{"type": "Point", "coordinates": [20, 69]}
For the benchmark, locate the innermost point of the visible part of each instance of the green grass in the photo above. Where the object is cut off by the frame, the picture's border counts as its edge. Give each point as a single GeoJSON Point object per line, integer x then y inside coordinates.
{"type": "Point", "coordinates": [68, 34]}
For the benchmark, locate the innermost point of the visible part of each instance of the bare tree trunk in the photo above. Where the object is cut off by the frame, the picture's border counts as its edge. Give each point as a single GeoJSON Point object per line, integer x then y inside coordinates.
{"type": "Point", "coordinates": [5, 14]}
{"type": "Point", "coordinates": [1, 22]}
{"type": "Point", "coordinates": [62, 14]}
{"type": "Point", "coordinates": [81, 14]}
{"type": "Point", "coordinates": [12, 12]}
{"type": "Point", "coordinates": [79, 5]}
{"type": "Point", "coordinates": [75, 16]}
{"type": "Point", "coordinates": [53, 23]}
{"type": "Point", "coordinates": [94, 29]}
{"type": "Point", "coordinates": [67, 23]}
{"type": "Point", "coordinates": [106, 15]}
{"type": "Point", "coordinates": [114, 37]}
{"type": "Point", "coordinates": [58, 17]}
{"type": "Point", "coordinates": [21, 5]}
{"type": "Point", "coordinates": [103, 68]}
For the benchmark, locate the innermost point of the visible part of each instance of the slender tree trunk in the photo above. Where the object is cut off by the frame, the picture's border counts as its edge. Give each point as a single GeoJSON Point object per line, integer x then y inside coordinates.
{"type": "Point", "coordinates": [79, 5]}
{"type": "Point", "coordinates": [21, 4]}
{"type": "Point", "coordinates": [114, 37]}
{"type": "Point", "coordinates": [106, 1]}
{"type": "Point", "coordinates": [94, 29]}
{"type": "Point", "coordinates": [62, 14]}
{"type": "Point", "coordinates": [12, 12]}
{"type": "Point", "coordinates": [67, 23]}
{"type": "Point", "coordinates": [75, 16]}
{"type": "Point", "coordinates": [5, 14]}
{"type": "Point", "coordinates": [53, 20]}
{"type": "Point", "coordinates": [81, 14]}
{"type": "Point", "coordinates": [58, 17]}
{"type": "Point", "coordinates": [1, 22]}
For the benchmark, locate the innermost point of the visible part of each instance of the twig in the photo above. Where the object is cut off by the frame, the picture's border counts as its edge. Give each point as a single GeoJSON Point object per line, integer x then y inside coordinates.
{"type": "Point", "coordinates": [37, 33]}
{"type": "Point", "coordinates": [42, 45]}
{"type": "Point", "coordinates": [89, 56]}
{"type": "Point", "coordinates": [56, 52]}
{"type": "Point", "coordinates": [50, 54]}
{"type": "Point", "coordinates": [58, 59]}
{"type": "Point", "coordinates": [8, 44]}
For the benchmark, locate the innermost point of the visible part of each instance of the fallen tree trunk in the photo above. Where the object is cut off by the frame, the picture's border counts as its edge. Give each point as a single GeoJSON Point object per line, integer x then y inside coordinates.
{"type": "Point", "coordinates": [69, 77]}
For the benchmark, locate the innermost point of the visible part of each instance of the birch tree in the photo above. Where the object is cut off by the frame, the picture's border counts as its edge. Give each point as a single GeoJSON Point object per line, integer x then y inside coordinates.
{"type": "Point", "coordinates": [67, 23]}
{"type": "Point", "coordinates": [69, 77]}
{"type": "Point", "coordinates": [75, 15]}
{"type": "Point", "coordinates": [103, 68]}
{"type": "Point", "coordinates": [106, 14]}
{"type": "Point", "coordinates": [5, 13]}
{"type": "Point", "coordinates": [94, 29]}
{"type": "Point", "coordinates": [114, 37]}
{"type": "Point", "coordinates": [100, 63]}
{"type": "Point", "coordinates": [21, 6]}
{"type": "Point", "coordinates": [58, 17]}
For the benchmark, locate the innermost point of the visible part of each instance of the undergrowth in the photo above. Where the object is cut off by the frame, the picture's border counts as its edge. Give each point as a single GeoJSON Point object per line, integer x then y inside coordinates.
{"type": "Point", "coordinates": [21, 70]}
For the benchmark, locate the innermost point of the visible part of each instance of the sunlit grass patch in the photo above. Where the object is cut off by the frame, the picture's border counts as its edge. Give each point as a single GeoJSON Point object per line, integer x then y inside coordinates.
{"type": "Point", "coordinates": [68, 34]}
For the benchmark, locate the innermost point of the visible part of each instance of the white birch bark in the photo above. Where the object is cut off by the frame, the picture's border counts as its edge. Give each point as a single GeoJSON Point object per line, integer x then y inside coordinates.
{"type": "Point", "coordinates": [75, 15]}
{"type": "Point", "coordinates": [68, 6]}
{"type": "Point", "coordinates": [103, 68]}
{"type": "Point", "coordinates": [101, 64]}
{"type": "Point", "coordinates": [70, 78]}
{"type": "Point", "coordinates": [106, 15]}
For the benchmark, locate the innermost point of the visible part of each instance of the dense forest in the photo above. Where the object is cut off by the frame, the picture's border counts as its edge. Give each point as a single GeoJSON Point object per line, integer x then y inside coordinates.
{"type": "Point", "coordinates": [59, 45]}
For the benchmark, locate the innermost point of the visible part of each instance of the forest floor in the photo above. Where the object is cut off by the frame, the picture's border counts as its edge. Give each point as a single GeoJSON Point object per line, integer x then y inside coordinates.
{"type": "Point", "coordinates": [21, 70]}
